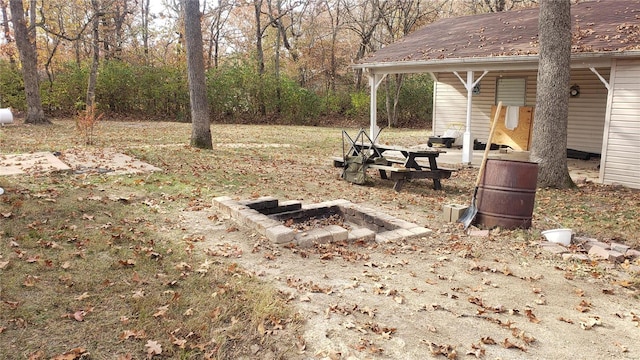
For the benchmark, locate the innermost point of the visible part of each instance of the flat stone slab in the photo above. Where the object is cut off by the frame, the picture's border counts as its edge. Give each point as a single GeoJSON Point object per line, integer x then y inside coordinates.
{"type": "Point", "coordinates": [78, 160]}
{"type": "Point", "coordinates": [39, 162]}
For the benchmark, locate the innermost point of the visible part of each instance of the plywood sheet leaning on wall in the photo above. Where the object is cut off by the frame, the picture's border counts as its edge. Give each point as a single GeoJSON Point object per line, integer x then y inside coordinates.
{"type": "Point", "coordinates": [514, 131]}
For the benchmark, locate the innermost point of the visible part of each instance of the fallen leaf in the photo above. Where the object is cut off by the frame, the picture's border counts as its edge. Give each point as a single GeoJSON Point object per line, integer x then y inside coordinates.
{"type": "Point", "coordinates": [532, 317]}
{"type": "Point", "coordinates": [84, 295]}
{"type": "Point", "coordinates": [72, 354]}
{"type": "Point", "coordinates": [36, 355]}
{"type": "Point", "coordinates": [590, 323]}
{"type": "Point", "coordinates": [12, 304]}
{"type": "Point", "coordinates": [79, 315]}
{"type": "Point", "coordinates": [153, 348]}
{"type": "Point", "coordinates": [178, 342]}
{"type": "Point", "coordinates": [162, 311]}
{"type": "Point", "coordinates": [623, 348]}
{"type": "Point", "coordinates": [3, 265]}
{"type": "Point", "coordinates": [128, 262]}
{"type": "Point", "coordinates": [30, 281]}
{"type": "Point", "coordinates": [569, 321]}
{"type": "Point", "coordinates": [488, 341]}
{"type": "Point", "coordinates": [127, 334]}
{"type": "Point", "coordinates": [509, 345]}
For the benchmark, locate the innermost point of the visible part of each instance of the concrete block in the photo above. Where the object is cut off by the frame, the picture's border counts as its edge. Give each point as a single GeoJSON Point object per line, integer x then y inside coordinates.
{"type": "Point", "coordinates": [446, 212]}
{"type": "Point", "coordinates": [420, 231]}
{"type": "Point", "coordinates": [595, 243]}
{"type": "Point", "coordinates": [396, 235]}
{"type": "Point", "coordinates": [361, 234]}
{"type": "Point", "coordinates": [338, 202]}
{"type": "Point", "coordinates": [632, 253]}
{"type": "Point", "coordinates": [264, 202]}
{"type": "Point", "coordinates": [597, 252]}
{"type": "Point", "coordinates": [479, 233]}
{"type": "Point", "coordinates": [402, 224]}
{"type": "Point", "coordinates": [620, 247]}
{"type": "Point", "coordinates": [217, 202]}
{"type": "Point", "coordinates": [582, 239]}
{"type": "Point", "coordinates": [457, 211]}
{"type": "Point", "coordinates": [338, 232]}
{"type": "Point", "coordinates": [305, 240]}
{"type": "Point", "coordinates": [280, 234]}
{"type": "Point", "coordinates": [323, 236]}
{"type": "Point", "coordinates": [615, 256]}
{"type": "Point", "coordinates": [452, 212]}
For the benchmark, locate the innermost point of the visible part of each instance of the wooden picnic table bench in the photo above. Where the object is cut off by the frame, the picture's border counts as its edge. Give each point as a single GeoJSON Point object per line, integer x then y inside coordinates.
{"type": "Point", "coordinates": [403, 167]}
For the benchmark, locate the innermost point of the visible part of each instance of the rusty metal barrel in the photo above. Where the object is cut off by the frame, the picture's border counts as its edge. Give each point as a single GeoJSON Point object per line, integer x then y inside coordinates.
{"type": "Point", "coordinates": [506, 194]}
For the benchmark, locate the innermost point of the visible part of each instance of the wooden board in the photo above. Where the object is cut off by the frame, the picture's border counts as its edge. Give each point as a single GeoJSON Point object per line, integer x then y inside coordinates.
{"type": "Point", "coordinates": [518, 138]}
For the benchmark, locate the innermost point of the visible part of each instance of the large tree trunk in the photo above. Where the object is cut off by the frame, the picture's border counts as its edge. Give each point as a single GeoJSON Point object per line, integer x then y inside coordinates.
{"type": "Point", "coordinates": [200, 124]}
{"type": "Point", "coordinates": [27, 50]}
{"type": "Point", "coordinates": [549, 143]}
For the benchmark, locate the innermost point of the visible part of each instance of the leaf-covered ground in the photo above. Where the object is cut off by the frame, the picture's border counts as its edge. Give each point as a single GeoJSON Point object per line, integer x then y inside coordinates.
{"type": "Point", "coordinates": [139, 266]}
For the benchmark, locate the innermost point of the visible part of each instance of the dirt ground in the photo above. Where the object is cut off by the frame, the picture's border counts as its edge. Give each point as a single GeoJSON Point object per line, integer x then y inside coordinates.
{"type": "Point", "coordinates": [447, 295]}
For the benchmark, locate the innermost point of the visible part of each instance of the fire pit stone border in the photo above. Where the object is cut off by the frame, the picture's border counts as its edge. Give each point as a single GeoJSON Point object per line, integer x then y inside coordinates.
{"type": "Point", "coordinates": [265, 215]}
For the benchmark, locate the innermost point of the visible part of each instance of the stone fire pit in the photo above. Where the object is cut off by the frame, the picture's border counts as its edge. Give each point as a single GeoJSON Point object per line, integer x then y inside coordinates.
{"type": "Point", "coordinates": [270, 217]}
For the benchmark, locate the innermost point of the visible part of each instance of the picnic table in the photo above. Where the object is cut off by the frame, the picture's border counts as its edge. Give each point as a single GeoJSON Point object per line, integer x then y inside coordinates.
{"type": "Point", "coordinates": [401, 165]}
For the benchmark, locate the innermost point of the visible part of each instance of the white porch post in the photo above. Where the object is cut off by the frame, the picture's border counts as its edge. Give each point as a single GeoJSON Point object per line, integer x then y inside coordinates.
{"type": "Point", "coordinates": [467, 146]}
{"type": "Point", "coordinates": [374, 83]}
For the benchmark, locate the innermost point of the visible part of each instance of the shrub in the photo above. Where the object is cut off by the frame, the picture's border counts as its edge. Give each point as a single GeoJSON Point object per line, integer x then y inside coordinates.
{"type": "Point", "coordinates": [11, 87]}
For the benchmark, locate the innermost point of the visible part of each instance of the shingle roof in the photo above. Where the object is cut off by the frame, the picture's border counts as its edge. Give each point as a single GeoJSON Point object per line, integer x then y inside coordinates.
{"type": "Point", "coordinates": [597, 26]}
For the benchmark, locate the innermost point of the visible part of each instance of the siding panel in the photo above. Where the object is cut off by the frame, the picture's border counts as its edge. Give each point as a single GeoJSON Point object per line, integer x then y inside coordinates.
{"type": "Point", "coordinates": [621, 164]}
{"type": "Point", "coordinates": [586, 112]}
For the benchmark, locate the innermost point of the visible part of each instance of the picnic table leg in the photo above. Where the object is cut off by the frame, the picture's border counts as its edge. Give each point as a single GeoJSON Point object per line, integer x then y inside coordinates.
{"type": "Point", "coordinates": [398, 185]}
{"type": "Point", "coordinates": [383, 174]}
{"type": "Point", "coordinates": [436, 184]}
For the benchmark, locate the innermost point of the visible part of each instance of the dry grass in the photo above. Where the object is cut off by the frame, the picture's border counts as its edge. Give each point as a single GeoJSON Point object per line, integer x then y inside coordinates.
{"type": "Point", "coordinates": [110, 250]}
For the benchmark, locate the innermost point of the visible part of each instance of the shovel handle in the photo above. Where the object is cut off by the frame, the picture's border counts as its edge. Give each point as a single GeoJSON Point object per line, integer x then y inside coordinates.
{"type": "Point", "coordinates": [488, 147]}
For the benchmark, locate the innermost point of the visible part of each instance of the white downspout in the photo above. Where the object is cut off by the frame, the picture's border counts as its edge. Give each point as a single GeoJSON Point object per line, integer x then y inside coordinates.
{"type": "Point", "coordinates": [467, 146]}
{"type": "Point", "coordinates": [374, 83]}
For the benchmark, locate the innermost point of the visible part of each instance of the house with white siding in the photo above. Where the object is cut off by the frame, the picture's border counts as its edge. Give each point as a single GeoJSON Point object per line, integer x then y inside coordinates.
{"type": "Point", "coordinates": [477, 61]}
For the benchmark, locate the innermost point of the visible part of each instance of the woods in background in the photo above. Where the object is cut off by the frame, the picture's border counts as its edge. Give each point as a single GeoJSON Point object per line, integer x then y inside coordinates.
{"type": "Point", "coordinates": [281, 61]}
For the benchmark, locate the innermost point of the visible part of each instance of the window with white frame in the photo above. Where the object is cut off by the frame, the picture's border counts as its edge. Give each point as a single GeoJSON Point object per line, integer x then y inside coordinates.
{"type": "Point", "coordinates": [511, 91]}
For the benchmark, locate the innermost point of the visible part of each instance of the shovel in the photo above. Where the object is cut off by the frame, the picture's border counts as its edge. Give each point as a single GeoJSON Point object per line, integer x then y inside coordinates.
{"type": "Point", "coordinates": [470, 214]}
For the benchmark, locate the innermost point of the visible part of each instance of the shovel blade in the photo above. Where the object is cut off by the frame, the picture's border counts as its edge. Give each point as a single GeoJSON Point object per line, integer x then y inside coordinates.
{"type": "Point", "coordinates": [467, 217]}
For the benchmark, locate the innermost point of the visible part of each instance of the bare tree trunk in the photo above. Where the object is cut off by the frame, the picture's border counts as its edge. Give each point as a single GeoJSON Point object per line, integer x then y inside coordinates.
{"type": "Point", "coordinates": [28, 58]}
{"type": "Point", "coordinates": [392, 99]}
{"type": "Point", "coordinates": [200, 124]}
{"type": "Point", "coordinates": [257, 4]}
{"type": "Point", "coordinates": [144, 9]}
{"type": "Point", "coordinates": [549, 143]}
{"type": "Point", "coordinates": [7, 33]}
{"type": "Point", "coordinates": [93, 73]}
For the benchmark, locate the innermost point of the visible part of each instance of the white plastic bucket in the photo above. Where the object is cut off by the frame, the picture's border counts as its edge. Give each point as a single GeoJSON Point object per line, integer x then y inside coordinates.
{"type": "Point", "coordinates": [560, 236]}
{"type": "Point", "coordinates": [6, 117]}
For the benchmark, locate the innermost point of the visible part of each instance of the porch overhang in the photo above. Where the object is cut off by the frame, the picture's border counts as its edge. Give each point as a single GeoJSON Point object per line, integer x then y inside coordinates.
{"type": "Point", "coordinates": [494, 63]}
{"type": "Point", "coordinates": [377, 71]}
